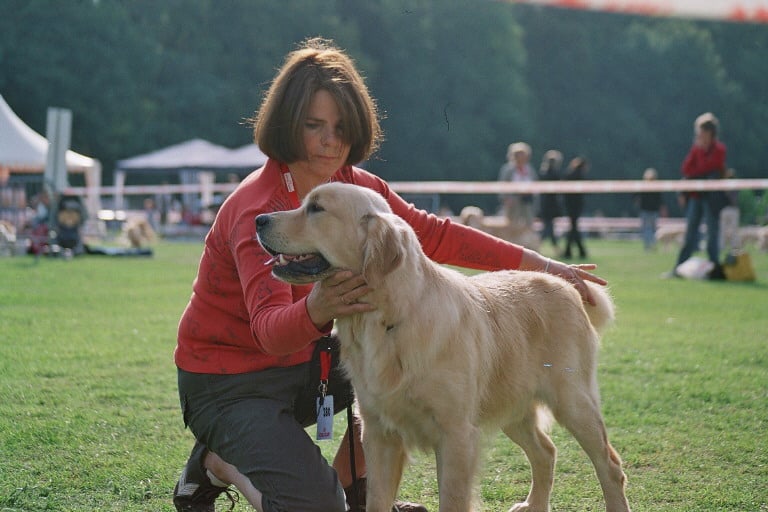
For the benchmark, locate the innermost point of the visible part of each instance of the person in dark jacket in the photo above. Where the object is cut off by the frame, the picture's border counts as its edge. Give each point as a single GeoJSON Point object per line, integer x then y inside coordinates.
{"type": "Point", "coordinates": [549, 208]}
{"type": "Point", "coordinates": [574, 207]}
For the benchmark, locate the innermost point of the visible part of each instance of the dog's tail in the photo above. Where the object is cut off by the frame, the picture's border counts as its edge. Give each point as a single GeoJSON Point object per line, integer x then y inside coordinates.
{"type": "Point", "coordinates": [602, 314]}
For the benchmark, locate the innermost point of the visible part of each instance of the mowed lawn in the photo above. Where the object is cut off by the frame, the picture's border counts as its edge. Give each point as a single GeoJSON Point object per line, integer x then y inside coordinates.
{"type": "Point", "coordinates": [89, 415]}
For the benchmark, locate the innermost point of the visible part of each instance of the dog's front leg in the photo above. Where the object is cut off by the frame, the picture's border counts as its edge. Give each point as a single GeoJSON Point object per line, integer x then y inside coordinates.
{"type": "Point", "coordinates": [457, 458]}
{"type": "Point", "coordinates": [385, 457]}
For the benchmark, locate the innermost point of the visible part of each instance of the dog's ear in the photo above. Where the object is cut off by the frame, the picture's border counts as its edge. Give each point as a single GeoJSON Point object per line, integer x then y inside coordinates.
{"type": "Point", "coordinates": [383, 249]}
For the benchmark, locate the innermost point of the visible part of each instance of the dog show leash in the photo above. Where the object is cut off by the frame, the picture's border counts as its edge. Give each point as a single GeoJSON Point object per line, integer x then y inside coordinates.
{"type": "Point", "coordinates": [325, 413]}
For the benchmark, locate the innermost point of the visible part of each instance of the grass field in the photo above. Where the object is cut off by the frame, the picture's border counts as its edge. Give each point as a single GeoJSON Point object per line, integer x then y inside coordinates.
{"type": "Point", "coordinates": [89, 415]}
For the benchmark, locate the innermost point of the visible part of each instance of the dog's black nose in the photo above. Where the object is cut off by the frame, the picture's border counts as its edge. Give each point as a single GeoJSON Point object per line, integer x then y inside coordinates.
{"type": "Point", "coordinates": [262, 220]}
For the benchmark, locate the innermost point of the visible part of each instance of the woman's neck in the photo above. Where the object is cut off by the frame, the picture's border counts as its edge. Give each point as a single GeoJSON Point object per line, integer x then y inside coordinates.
{"type": "Point", "coordinates": [304, 180]}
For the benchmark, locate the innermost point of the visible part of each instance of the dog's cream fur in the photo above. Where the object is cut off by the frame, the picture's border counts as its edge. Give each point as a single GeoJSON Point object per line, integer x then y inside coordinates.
{"type": "Point", "coordinates": [138, 232]}
{"type": "Point", "coordinates": [500, 226]}
{"type": "Point", "coordinates": [445, 357]}
{"type": "Point", "coordinates": [669, 237]}
{"type": "Point", "coordinates": [7, 238]}
{"type": "Point", "coordinates": [753, 235]}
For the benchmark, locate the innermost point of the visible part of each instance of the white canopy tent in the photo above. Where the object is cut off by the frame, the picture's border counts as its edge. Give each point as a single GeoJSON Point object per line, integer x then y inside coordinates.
{"type": "Point", "coordinates": [194, 161]}
{"type": "Point", "coordinates": [245, 157]}
{"type": "Point", "coordinates": [24, 151]}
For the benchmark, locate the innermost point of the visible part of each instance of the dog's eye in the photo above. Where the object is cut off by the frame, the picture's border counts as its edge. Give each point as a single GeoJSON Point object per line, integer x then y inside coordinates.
{"type": "Point", "coordinates": [314, 208]}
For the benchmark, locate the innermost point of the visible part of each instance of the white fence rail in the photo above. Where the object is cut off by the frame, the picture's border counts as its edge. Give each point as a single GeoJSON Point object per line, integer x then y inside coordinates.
{"type": "Point", "coordinates": [476, 187]}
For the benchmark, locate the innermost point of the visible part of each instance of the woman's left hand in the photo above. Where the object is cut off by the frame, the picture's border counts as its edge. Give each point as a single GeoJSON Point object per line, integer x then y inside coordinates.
{"type": "Point", "coordinates": [576, 275]}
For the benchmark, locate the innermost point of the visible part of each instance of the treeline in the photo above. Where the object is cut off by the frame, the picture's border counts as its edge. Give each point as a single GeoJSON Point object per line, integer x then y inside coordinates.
{"type": "Point", "coordinates": [456, 81]}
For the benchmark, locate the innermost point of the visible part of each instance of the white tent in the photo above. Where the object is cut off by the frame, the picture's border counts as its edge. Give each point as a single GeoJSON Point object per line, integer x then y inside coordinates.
{"type": "Point", "coordinates": [24, 151]}
{"type": "Point", "coordinates": [193, 154]}
{"type": "Point", "coordinates": [248, 157]}
{"type": "Point", "coordinates": [194, 161]}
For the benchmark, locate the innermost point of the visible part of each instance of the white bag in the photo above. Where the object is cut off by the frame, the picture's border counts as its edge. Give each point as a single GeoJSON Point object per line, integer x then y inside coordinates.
{"type": "Point", "coordinates": [695, 268]}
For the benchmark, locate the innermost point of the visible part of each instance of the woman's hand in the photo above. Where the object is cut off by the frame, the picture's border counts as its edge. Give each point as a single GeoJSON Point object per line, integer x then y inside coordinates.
{"type": "Point", "coordinates": [576, 275]}
{"type": "Point", "coordinates": [337, 296]}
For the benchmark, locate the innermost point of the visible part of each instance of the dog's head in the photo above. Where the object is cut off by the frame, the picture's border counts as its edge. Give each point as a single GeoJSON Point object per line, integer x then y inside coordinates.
{"type": "Point", "coordinates": [472, 216]}
{"type": "Point", "coordinates": [338, 226]}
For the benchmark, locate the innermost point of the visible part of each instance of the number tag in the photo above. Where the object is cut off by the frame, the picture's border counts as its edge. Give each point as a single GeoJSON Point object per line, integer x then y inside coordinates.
{"type": "Point", "coordinates": [324, 418]}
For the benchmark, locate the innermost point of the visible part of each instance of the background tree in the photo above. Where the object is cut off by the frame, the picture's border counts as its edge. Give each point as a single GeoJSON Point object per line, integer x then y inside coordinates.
{"type": "Point", "coordinates": [456, 83]}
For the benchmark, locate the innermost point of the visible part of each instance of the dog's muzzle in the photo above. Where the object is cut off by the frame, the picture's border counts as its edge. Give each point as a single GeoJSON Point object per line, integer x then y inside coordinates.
{"type": "Point", "coordinates": [292, 268]}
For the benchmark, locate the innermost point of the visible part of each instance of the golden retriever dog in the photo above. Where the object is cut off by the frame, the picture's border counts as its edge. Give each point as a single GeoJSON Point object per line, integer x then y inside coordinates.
{"type": "Point", "coordinates": [753, 235]}
{"type": "Point", "coordinates": [500, 226]}
{"type": "Point", "coordinates": [138, 232]}
{"type": "Point", "coordinates": [445, 357]}
{"type": "Point", "coordinates": [7, 238]}
{"type": "Point", "coordinates": [670, 236]}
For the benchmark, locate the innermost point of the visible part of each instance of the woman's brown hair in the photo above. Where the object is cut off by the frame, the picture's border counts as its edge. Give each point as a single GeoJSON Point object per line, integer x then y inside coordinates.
{"type": "Point", "coordinates": [316, 65]}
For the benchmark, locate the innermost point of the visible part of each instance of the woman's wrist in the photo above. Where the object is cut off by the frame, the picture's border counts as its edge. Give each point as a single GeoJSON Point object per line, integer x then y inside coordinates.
{"type": "Point", "coordinates": [532, 260]}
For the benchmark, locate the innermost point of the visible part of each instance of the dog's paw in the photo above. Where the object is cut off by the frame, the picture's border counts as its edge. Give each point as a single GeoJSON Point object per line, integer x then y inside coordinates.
{"type": "Point", "coordinates": [526, 507]}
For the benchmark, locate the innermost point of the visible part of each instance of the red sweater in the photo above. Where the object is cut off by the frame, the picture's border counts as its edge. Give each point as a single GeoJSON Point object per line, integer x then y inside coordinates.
{"type": "Point", "coordinates": [702, 161]}
{"type": "Point", "coordinates": [241, 319]}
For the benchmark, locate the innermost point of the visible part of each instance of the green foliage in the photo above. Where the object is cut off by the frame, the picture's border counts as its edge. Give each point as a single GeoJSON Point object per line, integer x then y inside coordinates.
{"type": "Point", "coordinates": [452, 94]}
{"type": "Point", "coordinates": [456, 82]}
{"type": "Point", "coordinates": [753, 208]}
{"type": "Point", "coordinates": [89, 414]}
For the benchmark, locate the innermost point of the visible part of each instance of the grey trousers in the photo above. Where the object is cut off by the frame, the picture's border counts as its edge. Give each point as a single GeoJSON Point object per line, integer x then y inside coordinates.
{"type": "Point", "coordinates": [256, 422]}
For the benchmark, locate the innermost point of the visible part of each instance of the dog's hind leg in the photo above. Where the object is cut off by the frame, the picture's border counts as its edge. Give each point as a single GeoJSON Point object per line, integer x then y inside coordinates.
{"type": "Point", "coordinates": [541, 454]}
{"type": "Point", "coordinates": [579, 412]}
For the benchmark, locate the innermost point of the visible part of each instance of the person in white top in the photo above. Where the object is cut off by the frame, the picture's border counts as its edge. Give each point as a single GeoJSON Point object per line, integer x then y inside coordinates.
{"type": "Point", "coordinates": [518, 208]}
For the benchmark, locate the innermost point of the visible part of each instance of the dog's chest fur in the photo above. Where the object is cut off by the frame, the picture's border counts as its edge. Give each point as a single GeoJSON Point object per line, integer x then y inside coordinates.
{"type": "Point", "coordinates": [387, 390]}
{"type": "Point", "coordinates": [395, 379]}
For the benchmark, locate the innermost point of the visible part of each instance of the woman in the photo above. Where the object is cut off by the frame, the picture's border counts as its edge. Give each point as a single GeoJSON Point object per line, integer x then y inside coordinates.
{"type": "Point", "coordinates": [245, 339]}
{"type": "Point", "coordinates": [518, 208]}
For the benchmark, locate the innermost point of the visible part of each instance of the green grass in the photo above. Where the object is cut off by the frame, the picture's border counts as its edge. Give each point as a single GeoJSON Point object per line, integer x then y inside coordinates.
{"type": "Point", "coordinates": [89, 415]}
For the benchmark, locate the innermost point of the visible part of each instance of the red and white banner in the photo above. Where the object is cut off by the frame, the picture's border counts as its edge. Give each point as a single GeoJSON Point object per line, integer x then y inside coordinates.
{"type": "Point", "coordinates": [752, 11]}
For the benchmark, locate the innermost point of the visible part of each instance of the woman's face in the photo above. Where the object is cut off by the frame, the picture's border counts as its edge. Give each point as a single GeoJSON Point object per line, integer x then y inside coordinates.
{"type": "Point", "coordinates": [521, 158]}
{"type": "Point", "coordinates": [326, 152]}
{"type": "Point", "coordinates": [704, 138]}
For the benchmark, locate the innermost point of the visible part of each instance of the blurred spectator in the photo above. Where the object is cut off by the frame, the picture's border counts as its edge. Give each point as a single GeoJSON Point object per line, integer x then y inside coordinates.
{"type": "Point", "coordinates": [705, 160]}
{"type": "Point", "coordinates": [549, 204]}
{"type": "Point", "coordinates": [150, 211]}
{"type": "Point", "coordinates": [41, 203]}
{"type": "Point", "coordinates": [730, 218]}
{"type": "Point", "coordinates": [649, 204]}
{"type": "Point", "coordinates": [574, 207]}
{"type": "Point", "coordinates": [518, 208]}
{"type": "Point", "coordinates": [163, 204]}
